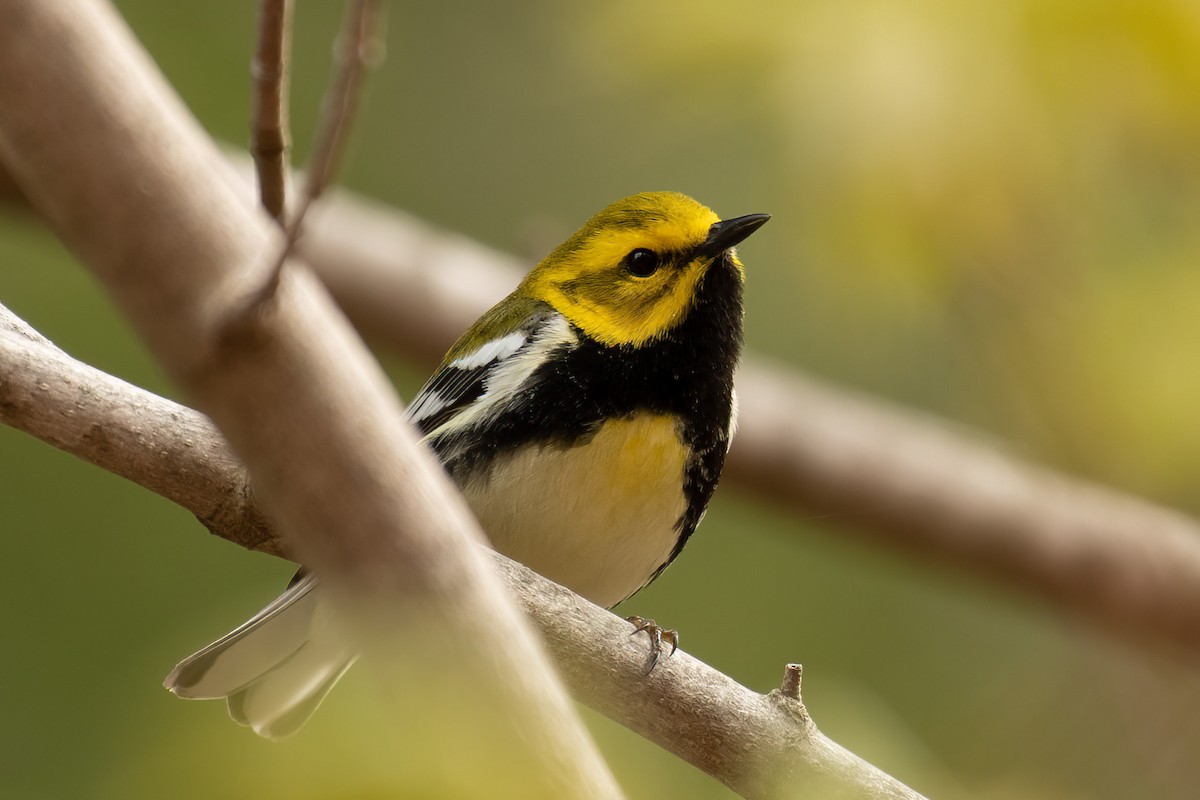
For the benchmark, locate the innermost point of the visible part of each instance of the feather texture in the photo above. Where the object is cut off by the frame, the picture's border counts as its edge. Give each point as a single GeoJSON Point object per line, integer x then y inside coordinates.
{"type": "Point", "coordinates": [275, 668]}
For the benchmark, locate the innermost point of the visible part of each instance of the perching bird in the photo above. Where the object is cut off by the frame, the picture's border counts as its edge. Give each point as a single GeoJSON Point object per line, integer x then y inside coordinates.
{"type": "Point", "coordinates": [585, 418]}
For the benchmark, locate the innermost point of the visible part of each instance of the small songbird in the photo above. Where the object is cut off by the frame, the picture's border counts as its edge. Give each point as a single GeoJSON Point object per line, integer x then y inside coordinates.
{"type": "Point", "coordinates": [585, 418]}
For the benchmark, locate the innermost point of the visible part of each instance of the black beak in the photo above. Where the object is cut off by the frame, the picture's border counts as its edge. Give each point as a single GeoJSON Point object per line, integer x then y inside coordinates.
{"type": "Point", "coordinates": [729, 232]}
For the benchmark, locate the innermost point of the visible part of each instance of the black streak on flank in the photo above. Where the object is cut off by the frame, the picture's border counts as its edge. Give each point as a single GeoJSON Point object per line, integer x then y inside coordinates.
{"type": "Point", "coordinates": [687, 374]}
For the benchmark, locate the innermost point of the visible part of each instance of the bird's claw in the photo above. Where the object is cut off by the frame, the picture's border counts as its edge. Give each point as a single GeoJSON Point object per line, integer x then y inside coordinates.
{"type": "Point", "coordinates": [657, 636]}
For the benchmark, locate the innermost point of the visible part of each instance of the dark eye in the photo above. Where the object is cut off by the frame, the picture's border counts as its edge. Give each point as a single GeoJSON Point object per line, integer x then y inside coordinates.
{"type": "Point", "coordinates": [641, 263]}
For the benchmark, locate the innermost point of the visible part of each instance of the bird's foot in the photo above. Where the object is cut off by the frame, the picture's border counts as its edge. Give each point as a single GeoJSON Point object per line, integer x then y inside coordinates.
{"type": "Point", "coordinates": [657, 637]}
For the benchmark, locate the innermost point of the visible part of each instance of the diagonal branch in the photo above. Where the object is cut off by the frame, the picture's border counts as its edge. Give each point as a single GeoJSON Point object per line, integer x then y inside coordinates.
{"type": "Point", "coordinates": [158, 444]}
{"type": "Point", "coordinates": [758, 745]}
{"type": "Point", "coordinates": [296, 394]}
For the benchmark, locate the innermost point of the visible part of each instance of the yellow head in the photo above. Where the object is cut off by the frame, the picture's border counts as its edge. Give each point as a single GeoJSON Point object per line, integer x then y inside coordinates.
{"type": "Point", "coordinates": [632, 271]}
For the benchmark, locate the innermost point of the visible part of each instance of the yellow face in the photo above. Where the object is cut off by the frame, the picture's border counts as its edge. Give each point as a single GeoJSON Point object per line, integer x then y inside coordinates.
{"type": "Point", "coordinates": [632, 271]}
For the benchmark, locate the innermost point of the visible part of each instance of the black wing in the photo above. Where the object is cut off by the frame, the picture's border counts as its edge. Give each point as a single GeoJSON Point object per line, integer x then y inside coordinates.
{"type": "Point", "coordinates": [459, 383]}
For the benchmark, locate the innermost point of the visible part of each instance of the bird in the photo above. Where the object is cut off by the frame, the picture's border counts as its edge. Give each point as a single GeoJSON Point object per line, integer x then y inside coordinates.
{"type": "Point", "coordinates": [585, 418]}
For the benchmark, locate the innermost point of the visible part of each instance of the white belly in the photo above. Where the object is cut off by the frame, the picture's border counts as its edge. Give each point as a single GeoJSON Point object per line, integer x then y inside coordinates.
{"type": "Point", "coordinates": [598, 518]}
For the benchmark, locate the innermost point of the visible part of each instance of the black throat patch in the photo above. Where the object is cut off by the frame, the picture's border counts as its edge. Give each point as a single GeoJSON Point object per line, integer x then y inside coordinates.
{"type": "Point", "coordinates": [687, 374]}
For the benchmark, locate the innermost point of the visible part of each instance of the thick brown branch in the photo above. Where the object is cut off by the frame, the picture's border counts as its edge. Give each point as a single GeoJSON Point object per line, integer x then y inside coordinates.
{"type": "Point", "coordinates": [909, 479]}
{"type": "Point", "coordinates": [293, 390]}
{"type": "Point", "coordinates": [759, 745]}
{"type": "Point", "coordinates": [10, 193]}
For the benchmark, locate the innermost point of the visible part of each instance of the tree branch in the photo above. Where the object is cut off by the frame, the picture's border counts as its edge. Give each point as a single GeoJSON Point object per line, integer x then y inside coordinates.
{"type": "Point", "coordinates": [902, 477]}
{"type": "Point", "coordinates": [353, 51]}
{"type": "Point", "coordinates": [1114, 559]}
{"type": "Point", "coordinates": [297, 395]}
{"type": "Point", "coordinates": [167, 448]}
{"type": "Point", "coordinates": [761, 746]}
{"type": "Point", "coordinates": [270, 140]}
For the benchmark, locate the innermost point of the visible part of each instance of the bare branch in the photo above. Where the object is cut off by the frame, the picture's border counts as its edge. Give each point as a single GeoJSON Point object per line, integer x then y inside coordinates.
{"type": "Point", "coordinates": [358, 45]}
{"type": "Point", "coordinates": [169, 449]}
{"type": "Point", "coordinates": [761, 746]}
{"type": "Point", "coordinates": [270, 138]}
{"type": "Point", "coordinates": [10, 194]}
{"type": "Point", "coordinates": [1115, 559]}
{"type": "Point", "coordinates": [905, 478]}
{"type": "Point", "coordinates": [11, 324]}
{"type": "Point", "coordinates": [294, 391]}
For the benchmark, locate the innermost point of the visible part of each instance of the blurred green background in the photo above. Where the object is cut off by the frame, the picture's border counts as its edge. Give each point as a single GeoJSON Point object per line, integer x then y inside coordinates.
{"type": "Point", "coordinates": [988, 210]}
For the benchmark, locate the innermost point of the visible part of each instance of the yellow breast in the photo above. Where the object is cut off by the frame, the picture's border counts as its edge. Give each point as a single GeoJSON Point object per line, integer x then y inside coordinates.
{"type": "Point", "coordinates": [635, 451]}
{"type": "Point", "coordinates": [600, 517]}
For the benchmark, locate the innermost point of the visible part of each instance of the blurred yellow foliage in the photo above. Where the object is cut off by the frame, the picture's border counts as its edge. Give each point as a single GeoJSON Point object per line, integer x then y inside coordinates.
{"type": "Point", "coordinates": [1019, 180]}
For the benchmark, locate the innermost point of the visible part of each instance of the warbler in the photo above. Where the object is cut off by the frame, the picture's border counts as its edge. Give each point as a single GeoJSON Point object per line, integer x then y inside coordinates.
{"type": "Point", "coordinates": [585, 418]}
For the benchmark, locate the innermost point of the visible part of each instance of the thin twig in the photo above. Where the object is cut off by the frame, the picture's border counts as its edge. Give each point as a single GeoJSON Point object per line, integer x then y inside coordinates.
{"type": "Point", "coordinates": [358, 47]}
{"type": "Point", "coordinates": [270, 141]}
{"type": "Point", "coordinates": [761, 746]}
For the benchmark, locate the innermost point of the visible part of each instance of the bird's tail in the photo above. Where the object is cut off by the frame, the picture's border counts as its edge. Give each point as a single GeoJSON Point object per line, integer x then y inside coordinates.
{"type": "Point", "coordinates": [273, 670]}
